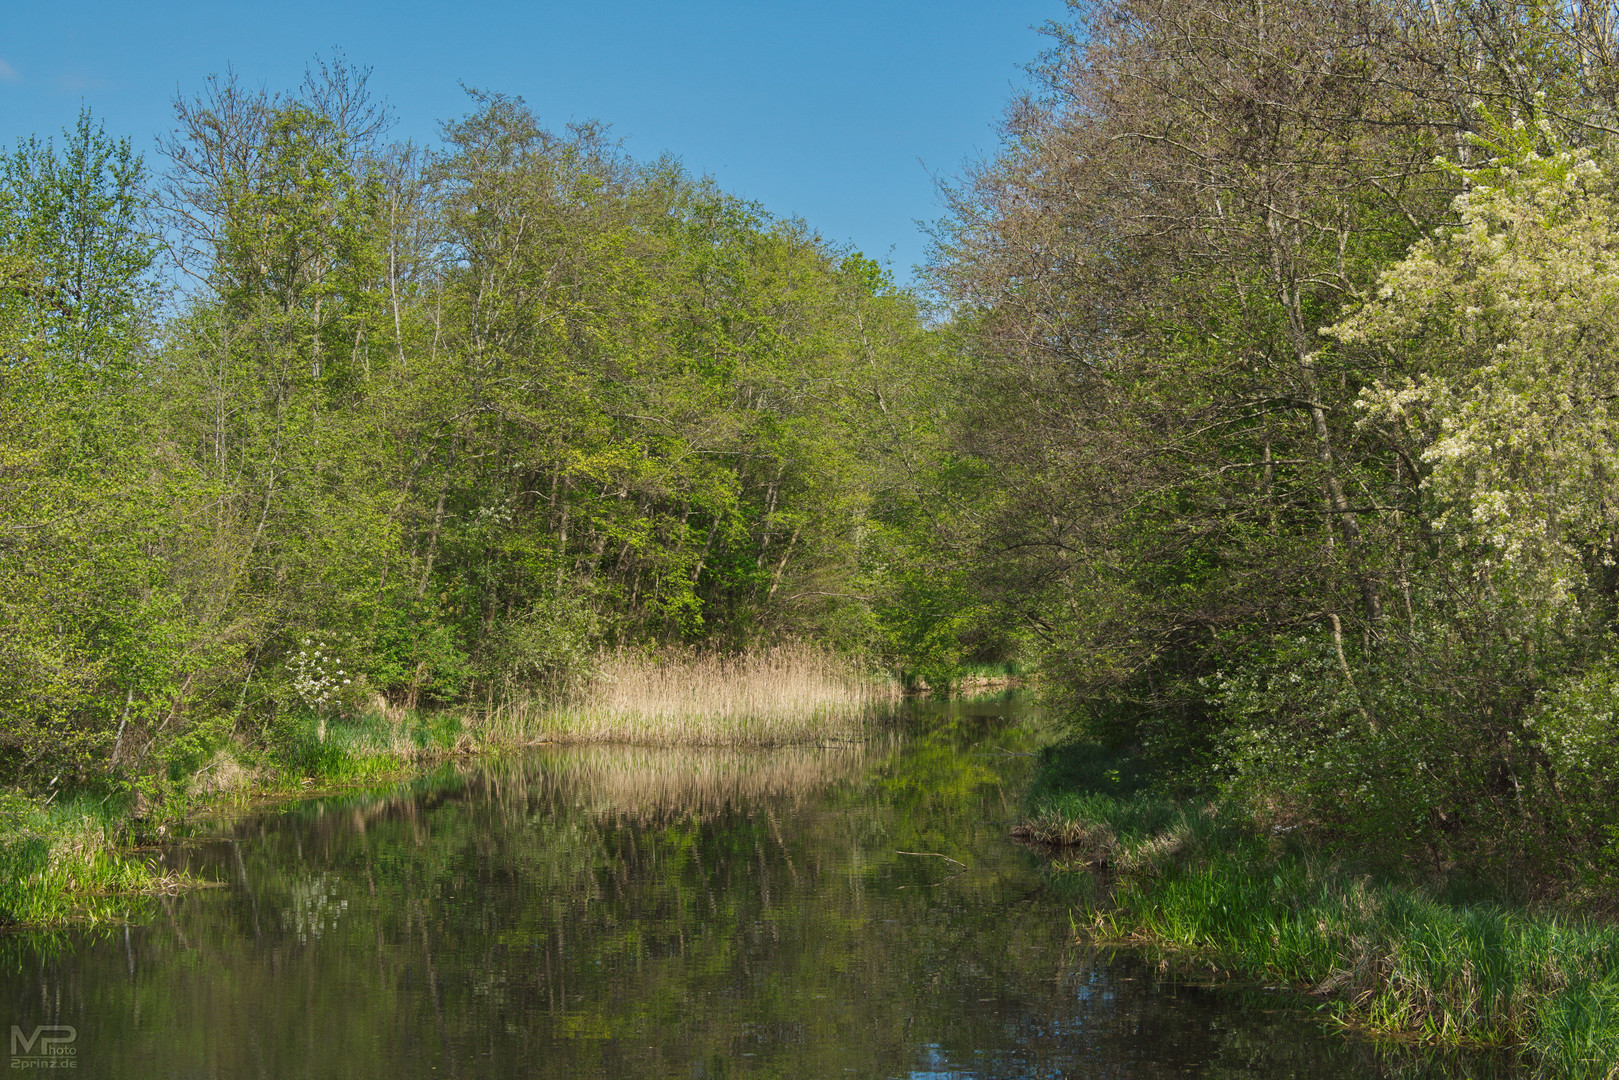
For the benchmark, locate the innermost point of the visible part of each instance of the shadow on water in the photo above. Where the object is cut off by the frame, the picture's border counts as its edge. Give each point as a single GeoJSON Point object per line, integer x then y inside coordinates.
{"type": "Point", "coordinates": [622, 912]}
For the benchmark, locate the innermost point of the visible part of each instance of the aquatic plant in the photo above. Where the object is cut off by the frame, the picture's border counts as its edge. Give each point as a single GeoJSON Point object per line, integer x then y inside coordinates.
{"type": "Point", "coordinates": [61, 864]}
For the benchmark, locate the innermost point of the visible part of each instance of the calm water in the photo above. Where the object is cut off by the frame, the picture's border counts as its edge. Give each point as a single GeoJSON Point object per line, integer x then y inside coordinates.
{"type": "Point", "coordinates": [615, 912]}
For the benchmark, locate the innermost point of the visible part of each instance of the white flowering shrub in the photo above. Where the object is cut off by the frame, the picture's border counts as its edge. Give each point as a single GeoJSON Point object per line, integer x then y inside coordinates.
{"type": "Point", "coordinates": [317, 675]}
{"type": "Point", "coordinates": [1470, 719]}
{"type": "Point", "coordinates": [1510, 325]}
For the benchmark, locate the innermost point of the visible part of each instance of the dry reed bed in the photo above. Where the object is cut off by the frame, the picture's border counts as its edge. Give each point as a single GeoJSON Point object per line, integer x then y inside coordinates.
{"type": "Point", "coordinates": [791, 694]}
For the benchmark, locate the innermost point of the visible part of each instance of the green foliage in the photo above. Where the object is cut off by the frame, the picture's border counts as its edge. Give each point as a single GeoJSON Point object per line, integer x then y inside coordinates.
{"type": "Point", "coordinates": [925, 621]}
{"type": "Point", "coordinates": [551, 648]}
{"type": "Point", "coordinates": [1305, 475]}
{"type": "Point", "coordinates": [468, 417]}
{"type": "Point", "coordinates": [181, 757]}
{"type": "Point", "coordinates": [1426, 744]}
{"type": "Point", "coordinates": [94, 639]}
{"type": "Point", "coordinates": [1079, 767]}
{"type": "Point", "coordinates": [1574, 727]}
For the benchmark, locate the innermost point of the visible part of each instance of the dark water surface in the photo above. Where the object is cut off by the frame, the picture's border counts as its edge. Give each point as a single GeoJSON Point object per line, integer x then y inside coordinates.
{"type": "Point", "coordinates": [620, 912]}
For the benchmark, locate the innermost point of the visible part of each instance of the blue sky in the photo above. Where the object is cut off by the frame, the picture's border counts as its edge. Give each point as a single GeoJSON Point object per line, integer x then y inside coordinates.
{"type": "Point", "coordinates": [834, 111]}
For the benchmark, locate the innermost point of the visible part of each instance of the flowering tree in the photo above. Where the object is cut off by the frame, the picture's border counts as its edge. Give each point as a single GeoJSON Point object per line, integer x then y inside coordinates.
{"type": "Point", "coordinates": [1510, 320]}
{"type": "Point", "coordinates": [315, 677]}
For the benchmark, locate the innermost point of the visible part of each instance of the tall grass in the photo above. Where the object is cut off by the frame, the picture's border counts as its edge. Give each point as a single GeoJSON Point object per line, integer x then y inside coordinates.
{"type": "Point", "coordinates": [1392, 955]}
{"type": "Point", "coordinates": [790, 694]}
{"type": "Point", "coordinates": [60, 864]}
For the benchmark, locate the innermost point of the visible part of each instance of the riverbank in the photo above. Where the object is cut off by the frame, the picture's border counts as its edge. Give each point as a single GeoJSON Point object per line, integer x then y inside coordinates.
{"type": "Point", "coordinates": [1437, 960]}
{"type": "Point", "coordinates": [80, 858]}
{"type": "Point", "coordinates": [70, 862]}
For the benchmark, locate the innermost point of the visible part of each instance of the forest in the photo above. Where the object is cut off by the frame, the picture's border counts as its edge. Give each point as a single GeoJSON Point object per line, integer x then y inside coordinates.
{"type": "Point", "coordinates": [309, 420]}
{"type": "Point", "coordinates": [1259, 397]}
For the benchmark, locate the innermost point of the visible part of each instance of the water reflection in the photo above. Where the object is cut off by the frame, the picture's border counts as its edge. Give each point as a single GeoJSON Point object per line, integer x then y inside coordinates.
{"type": "Point", "coordinates": [615, 912]}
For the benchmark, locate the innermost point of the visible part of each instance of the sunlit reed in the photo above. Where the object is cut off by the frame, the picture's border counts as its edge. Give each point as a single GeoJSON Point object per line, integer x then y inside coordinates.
{"type": "Point", "coordinates": [790, 694]}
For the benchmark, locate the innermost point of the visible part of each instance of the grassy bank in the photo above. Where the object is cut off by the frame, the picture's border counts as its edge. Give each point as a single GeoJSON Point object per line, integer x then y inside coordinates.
{"type": "Point", "coordinates": [1434, 960]}
{"type": "Point", "coordinates": [80, 859]}
{"type": "Point", "coordinates": [67, 862]}
{"type": "Point", "coordinates": [85, 858]}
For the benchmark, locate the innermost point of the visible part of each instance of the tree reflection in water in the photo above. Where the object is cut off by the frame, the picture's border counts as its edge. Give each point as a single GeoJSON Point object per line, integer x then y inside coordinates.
{"type": "Point", "coordinates": [622, 912]}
